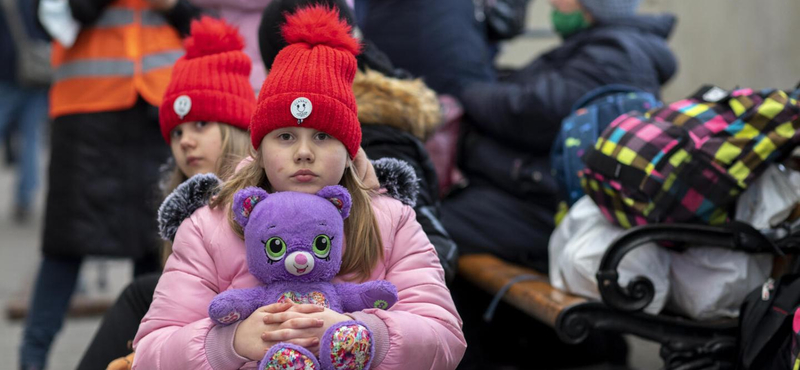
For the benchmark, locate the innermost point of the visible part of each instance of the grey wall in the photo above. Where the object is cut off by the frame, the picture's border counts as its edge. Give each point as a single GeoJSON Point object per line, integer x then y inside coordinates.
{"type": "Point", "coordinates": [753, 43]}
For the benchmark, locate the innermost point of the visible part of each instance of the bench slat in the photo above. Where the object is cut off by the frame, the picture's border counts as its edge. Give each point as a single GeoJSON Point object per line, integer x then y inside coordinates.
{"type": "Point", "coordinates": [536, 298]}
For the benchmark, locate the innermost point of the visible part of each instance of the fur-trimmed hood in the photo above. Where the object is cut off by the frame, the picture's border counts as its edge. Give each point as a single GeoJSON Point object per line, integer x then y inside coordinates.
{"type": "Point", "coordinates": [407, 104]}
{"type": "Point", "coordinates": [397, 179]}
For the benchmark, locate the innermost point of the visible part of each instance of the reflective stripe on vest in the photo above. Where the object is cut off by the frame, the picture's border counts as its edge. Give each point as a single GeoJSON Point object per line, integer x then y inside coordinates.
{"type": "Point", "coordinates": [160, 60]}
{"type": "Point", "coordinates": [152, 18]}
{"type": "Point", "coordinates": [95, 68]}
{"type": "Point", "coordinates": [114, 17]}
{"type": "Point", "coordinates": [118, 17]}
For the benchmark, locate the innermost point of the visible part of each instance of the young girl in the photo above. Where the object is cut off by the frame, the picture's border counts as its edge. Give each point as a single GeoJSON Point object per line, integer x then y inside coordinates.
{"type": "Point", "coordinates": [202, 141]}
{"type": "Point", "coordinates": [306, 133]}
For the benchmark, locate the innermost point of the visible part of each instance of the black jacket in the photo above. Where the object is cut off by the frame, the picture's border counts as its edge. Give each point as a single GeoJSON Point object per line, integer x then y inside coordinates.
{"type": "Point", "coordinates": [438, 40]}
{"type": "Point", "coordinates": [512, 123]}
{"type": "Point", "coordinates": [395, 114]}
{"type": "Point", "coordinates": [525, 109]}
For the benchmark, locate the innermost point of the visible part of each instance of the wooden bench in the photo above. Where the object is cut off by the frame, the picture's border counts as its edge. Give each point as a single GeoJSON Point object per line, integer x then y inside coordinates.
{"type": "Point", "coordinates": [572, 317]}
{"type": "Point", "coordinates": [536, 298]}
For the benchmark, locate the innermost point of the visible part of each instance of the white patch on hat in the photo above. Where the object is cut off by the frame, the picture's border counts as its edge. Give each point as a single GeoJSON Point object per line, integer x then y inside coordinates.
{"type": "Point", "coordinates": [182, 105]}
{"type": "Point", "coordinates": [301, 109]}
{"type": "Point", "coordinates": [714, 95]}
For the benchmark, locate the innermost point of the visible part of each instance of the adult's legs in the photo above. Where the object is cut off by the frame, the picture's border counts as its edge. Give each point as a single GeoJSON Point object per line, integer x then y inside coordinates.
{"type": "Point", "coordinates": [148, 264]}
{"type": "Point", "coordinates": [52, 291]}
{"type": "Point", "coordinates": [120, 324]}
{"type": "Point", "coordinates": [12, 99]}
{"type": "Point", "coordinates": [484, 219]}
{"type": "Point", "coordinates": [31, 118]}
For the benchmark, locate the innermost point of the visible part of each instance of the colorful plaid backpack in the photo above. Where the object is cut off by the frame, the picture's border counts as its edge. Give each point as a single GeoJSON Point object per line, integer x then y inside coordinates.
{"type": "Point", "coordinates": [590, 116]}
{"type": "Point", "coordinates": [688, 162]}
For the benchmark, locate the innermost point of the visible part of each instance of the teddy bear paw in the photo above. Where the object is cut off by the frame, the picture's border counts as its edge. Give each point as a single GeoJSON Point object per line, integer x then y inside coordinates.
{"type": "Point", "coordinates": [285, 356]}
{"type": "Point", "coordinates": [348, 346]}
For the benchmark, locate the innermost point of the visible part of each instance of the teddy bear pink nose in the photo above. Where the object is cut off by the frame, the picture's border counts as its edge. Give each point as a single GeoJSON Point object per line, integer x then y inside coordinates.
{"type": "Point", "coordinates": [301, 259]}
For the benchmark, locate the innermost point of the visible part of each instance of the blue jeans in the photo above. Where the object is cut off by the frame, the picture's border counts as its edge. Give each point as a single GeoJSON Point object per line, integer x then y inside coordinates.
{"type": "Point", "coordinates": [54, 286]}
{"type": "Point", "coordinates": [28, 107]}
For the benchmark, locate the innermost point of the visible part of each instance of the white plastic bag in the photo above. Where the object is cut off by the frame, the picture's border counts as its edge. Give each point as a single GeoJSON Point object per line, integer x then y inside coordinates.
{"type": "Point", "coordinates": [711, 283]}
{"type": "Point", "coordinates": [770, 199]}
{"type": "Point", "coordinates": [578, 244]}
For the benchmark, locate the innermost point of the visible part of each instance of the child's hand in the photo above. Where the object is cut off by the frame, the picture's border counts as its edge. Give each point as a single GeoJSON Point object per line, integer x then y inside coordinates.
{"type": "Point", "coordinates": [249, 340]}
{"type": "Point", "coordinates": [327, 318]}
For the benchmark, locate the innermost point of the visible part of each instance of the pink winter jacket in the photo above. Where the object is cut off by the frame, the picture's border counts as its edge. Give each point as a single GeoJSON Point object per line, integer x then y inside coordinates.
{"type": "Point", "coordinates": [421, 331]}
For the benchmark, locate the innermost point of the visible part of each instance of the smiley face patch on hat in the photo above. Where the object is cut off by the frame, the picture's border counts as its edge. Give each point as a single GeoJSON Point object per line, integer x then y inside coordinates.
{"type": "Point", "coordinates": [317, 67]}
{"type": "Point", "coordinates": [301, 109]}
{"type": "Point", "coordinates": [182, 105]}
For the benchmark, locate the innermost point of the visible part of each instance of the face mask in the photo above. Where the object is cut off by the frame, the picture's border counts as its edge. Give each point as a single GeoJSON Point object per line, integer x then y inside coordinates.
{"type": "Point", "coordinates": [566, 24]}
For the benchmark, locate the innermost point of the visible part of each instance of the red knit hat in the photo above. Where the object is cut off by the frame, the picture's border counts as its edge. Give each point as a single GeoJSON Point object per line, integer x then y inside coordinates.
{"type": "Point", "coordinates": [210, 82]}
{"type": "Point", "coordinates": [311, 80]}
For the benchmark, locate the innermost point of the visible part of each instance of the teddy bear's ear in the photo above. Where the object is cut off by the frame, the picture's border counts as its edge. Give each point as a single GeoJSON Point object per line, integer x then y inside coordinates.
{"type": "Point", "coordinates": [244, 201]}
{"type": "Point", "coordinates": [339, 196]}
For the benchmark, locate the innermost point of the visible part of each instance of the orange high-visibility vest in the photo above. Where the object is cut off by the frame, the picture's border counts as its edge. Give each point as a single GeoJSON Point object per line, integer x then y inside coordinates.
{"type": "Point", "coordinates": [128, 52]}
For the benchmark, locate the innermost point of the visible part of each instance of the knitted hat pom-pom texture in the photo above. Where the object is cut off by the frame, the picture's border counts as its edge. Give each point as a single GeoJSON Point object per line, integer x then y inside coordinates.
{"type": "Point", "coordinates": [319, 25]}
{"type": "Point", "coordinates": [211, 36]}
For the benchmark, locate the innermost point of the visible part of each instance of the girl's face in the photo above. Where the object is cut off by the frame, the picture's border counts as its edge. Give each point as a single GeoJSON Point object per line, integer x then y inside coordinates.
{"type": "Point", "coordinates": [302, 159]}
{"type": "Point", "coordinates": [196, 147]}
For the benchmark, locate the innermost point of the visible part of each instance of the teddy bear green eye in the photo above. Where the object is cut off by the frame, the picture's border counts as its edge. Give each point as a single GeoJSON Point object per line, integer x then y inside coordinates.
{"type": "Point", "coordinates": [275, 247]}
{"type": "Point", "coordinates": [322, 246]}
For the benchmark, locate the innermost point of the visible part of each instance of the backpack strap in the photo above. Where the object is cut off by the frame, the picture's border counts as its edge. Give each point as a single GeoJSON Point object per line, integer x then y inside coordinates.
{"type": "Point", "coordinates": [601, 91]}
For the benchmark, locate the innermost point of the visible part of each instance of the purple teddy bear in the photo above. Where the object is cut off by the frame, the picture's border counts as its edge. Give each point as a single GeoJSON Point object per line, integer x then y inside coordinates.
{"type": "Point", "coordinates": [294, 247]}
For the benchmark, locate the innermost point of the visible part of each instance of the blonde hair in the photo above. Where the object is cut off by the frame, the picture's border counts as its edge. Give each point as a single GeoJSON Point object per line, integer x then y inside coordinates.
{"type": "Point", "coordinates": [361, 232]}
{"type": "Point", "coordinates": [235, 147]}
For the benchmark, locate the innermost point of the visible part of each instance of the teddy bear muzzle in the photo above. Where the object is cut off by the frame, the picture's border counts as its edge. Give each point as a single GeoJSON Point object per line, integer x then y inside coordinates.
{"type": "Point", "coordinates": [299, 263]}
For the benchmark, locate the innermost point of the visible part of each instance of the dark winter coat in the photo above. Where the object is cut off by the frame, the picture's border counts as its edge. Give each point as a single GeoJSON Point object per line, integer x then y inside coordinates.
{"type": "Point", "coordinates": [395, 114]}
{"type": "Point", "coordinates": [439, 40]}
{"type": "Point", "coordinates": [103, 193]}
{"type": "Point", "coordinates": [513, 122]}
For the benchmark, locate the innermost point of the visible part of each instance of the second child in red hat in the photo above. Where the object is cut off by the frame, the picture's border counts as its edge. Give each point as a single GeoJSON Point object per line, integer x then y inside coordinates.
{"type": "Point", "coordinates": [207, 107]}
{"type": "Point", "coordinates": [306, 134]}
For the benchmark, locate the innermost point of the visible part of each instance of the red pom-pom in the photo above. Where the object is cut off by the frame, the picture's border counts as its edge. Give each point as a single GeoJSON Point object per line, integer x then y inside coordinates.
{"type": "Point", "coordinates": [211, 36]}
{"type": "Point", "coordinates": [319, 25]}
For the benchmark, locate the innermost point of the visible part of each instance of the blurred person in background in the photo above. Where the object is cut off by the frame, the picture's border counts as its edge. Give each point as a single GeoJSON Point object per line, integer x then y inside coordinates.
{"type": "Point", "coordinates": [509, 205]}
{"type": "Point", "coordinates": [106, 148]}
{"type": "Point", "coordinates": [209, 137]}
{"type": "Point", "coordinates": [25, 75]}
